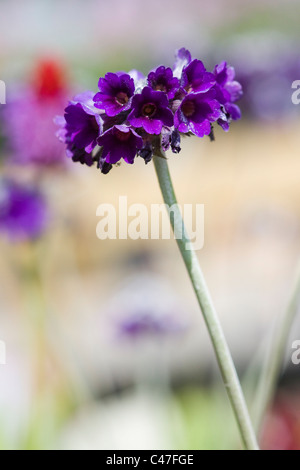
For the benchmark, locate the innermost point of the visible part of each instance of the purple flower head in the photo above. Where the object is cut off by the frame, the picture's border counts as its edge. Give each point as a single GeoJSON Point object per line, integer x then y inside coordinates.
{"type": "Point", "coordinates": [23, 211]}
{"type": "Point", "coordinates": [183, 58]}
{"type": "Point", "coordinates": [133, 115]}
{"type": "Point", "coordinates": [196, 113]}
{"type": "Point", "coordinates": [228, 91]}
{"type": "Point", "coordinates": [195, 78]}
{"type": "Point", "coordinates": [162, 79]}
{"type": "Point", "coordinates": [116, 91]}
{"type": "Point", "coordinates": [119, 142]}
{"type": "Point", "coordinates": [150, 111]}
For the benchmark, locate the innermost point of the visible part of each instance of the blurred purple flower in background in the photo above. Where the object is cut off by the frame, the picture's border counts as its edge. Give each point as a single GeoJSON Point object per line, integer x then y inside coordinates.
{"type": "Point", "coordinates": [267, 64]}
{"type": "Point", "coordinates": [144, 322]}
{"type": "Point", "coordinates": [146, 308]}
{"type": "Point", "coordinates": [23, 211]}
{"type": "Point", "coordinates": [28, 117]}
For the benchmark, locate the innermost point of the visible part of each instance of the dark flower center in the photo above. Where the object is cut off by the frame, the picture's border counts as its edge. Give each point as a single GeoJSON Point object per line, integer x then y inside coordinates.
{"type": "Point", "coordinates": [93, 123]}
{"type": "Point", "coordinates": [149, 109]}
{"type": "Point", "coordinates": [160, 87]}
{"type": "Point", "coordinates": [122, 136]}
{"type": "Point", "coordinates": [122, 98]}
{"type": "Point", "coordinates": [188, 108]}
{"type": "Point", "coordinates": [188, 88]}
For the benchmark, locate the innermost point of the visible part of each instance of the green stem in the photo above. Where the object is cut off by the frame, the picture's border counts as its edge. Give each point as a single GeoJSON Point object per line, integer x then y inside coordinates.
{"type": "Point", "coordinates": [272, 366]}
{"type": "Point", "coordinates": [221, 349]}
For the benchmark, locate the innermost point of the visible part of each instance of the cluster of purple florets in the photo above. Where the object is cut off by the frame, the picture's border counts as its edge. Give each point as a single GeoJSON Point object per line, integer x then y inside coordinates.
{"type": "Point", "coordinates": [133, 115]}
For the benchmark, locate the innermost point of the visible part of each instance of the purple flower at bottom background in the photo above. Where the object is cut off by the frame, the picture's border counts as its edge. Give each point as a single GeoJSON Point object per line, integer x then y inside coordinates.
{"type": "Point", "coordinates": [196, 113]}
{"type": "Point", "coordinates": [23, 211]}
{"type": "Point", "coordinates": [146, 306]}
{"type": "Point", "coordinates": [150, 111]}
{"type": "Point", "coordinates": [119, 142]}
{"type": "Point", "coordinates": [143, 322]}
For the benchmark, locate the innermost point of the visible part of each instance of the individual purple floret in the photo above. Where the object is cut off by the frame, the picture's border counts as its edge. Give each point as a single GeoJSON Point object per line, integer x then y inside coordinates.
{"type": "Point", "coordinates": [162, 79]}
{"type": "Point", "coordinates": [150, 111]}
{"type": "Point", "coordinates": [80, 128]}
{"type": "Point", "coordinates": [228, 91]}
{"type": "Point", "coordinates": [195, 78]}
{"type": "Point", "coordinates": [23, 211]}
{"type": "Point", "coordinates": [119, 142]}
{"type": "Point", "coordinates": [183, 58]}
{"type": "Point", "coordinates": [116, 91]}
{"type": "Point", "coordinates": [197, 112]}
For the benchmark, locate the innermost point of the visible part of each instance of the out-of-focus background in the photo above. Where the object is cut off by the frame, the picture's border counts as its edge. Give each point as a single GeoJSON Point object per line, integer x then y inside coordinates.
{"type": "Point", "coordinates": [105, 345]}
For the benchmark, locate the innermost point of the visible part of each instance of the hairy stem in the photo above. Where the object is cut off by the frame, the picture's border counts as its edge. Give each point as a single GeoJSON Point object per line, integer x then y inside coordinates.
{"type": "Point", "coordinates": [220, 346]}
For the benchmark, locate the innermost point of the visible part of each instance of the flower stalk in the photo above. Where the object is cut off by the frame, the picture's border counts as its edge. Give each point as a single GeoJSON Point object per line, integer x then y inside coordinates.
{"type": "Point", "coordinates": [220, 346]}
{"type": "Point", "coordinates": [273, 363]}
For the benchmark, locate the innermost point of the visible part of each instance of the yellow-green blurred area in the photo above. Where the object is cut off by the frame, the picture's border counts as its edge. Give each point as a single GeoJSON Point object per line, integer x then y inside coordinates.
{"type": "Point", "coordinates": [74, 378]}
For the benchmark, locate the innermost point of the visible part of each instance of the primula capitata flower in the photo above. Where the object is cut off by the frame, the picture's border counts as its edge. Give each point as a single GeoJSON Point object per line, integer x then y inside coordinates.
{"type": "Point", "coordinates": [162, 79]}
{"type": "Point", "coordinates": [150, 111]}
{"type": "Point", "coordinates": [120, 142]}
{"type": "Point", "coordinates": [195, 78]}
{"type": "Point", "coordinates": [228, 91]}
{"type": "Point", "coordinates": [80, 127]}
{"type": "Point", "coordinates": [196, 113]}
{"type": "Point", "coordinates": [116, 91]}
{"type": "Point", "coordinates": [136, 116]}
